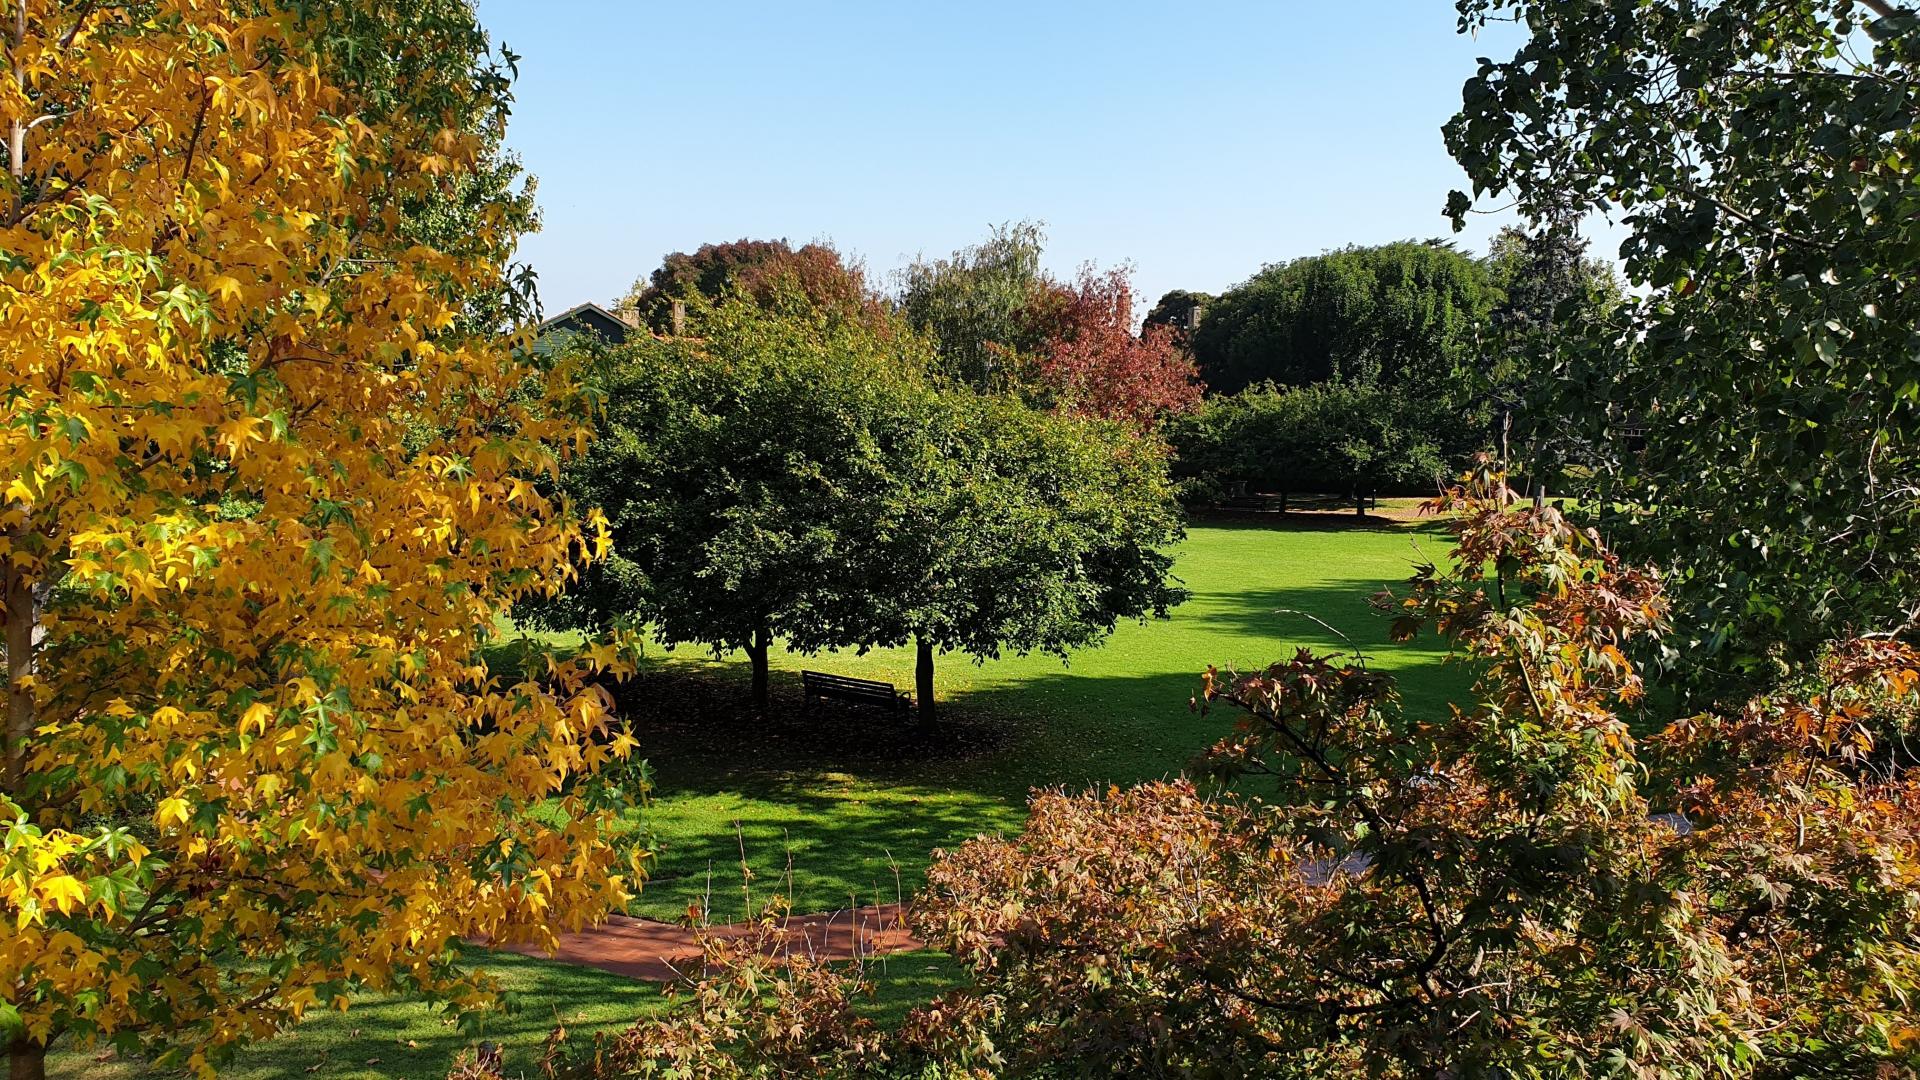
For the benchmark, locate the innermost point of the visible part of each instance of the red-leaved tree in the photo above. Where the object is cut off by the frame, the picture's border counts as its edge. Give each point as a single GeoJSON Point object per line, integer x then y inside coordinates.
{"type": "Point", "coordinates": [1092, 362]}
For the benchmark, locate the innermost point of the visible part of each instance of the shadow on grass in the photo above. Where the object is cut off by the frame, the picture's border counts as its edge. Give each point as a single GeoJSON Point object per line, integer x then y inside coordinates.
{"type": "Point", "coordinates": [1302, 516]}
{"type": "Point", "coordinates": [383, 1037]}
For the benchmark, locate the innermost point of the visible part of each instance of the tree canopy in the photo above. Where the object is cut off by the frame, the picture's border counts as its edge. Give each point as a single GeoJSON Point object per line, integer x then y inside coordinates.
{"type": "Point", "coordinates": [758, 269]}
{"type": "Point", "coordinates": [795, 476]}
{"type": "Point", "coordinates": [266, 489]}
{"type": "Point", "coordinates": [977, 306]}
{"type": "Point", "coordinates": [1404, 314]}
{"type": "Point", "coordinates": [1550, 292]}
{"type": "Point", "coordinates": [1330, 438]}
{"type": "Point", "coordinates": [1762, 405]}
{"type": "Point", "coordinates": [741, 473]}
{"type": "Point", "coordinates": [1000, 323]}
{"type": "Point", "coordinates": [1021, 531]}
{"type": "Point", "coordinates": [1091, 361]}
{"type": "Point", "coordinates": [1179, 311]}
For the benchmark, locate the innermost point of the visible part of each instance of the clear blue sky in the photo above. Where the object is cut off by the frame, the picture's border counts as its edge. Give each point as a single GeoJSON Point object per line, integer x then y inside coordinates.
{"type": "Point", "coordinates": [1198, 141]}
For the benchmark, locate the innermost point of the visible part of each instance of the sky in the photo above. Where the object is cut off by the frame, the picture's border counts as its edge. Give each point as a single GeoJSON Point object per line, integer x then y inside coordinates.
{"type": "Point", "coordinates": [1196, 141]}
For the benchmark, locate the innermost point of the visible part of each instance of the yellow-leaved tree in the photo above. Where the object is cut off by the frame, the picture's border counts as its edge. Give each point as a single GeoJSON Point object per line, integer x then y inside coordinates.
{"type": "Point", "coordinates": [269, 475]}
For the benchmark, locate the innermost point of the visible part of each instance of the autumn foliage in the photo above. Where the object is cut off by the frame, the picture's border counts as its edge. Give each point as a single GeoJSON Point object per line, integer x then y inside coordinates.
{"type": "Point", "coordinates": [266, 489]}
{"type": "Point", "coordinates": [1000, 323]}
{"type": "Point", "coordinates": [1092, 362]}
{"type": "Point", "coordinates": [766, 272]}
{"type": "Point", "coordinates": [1516, 887]}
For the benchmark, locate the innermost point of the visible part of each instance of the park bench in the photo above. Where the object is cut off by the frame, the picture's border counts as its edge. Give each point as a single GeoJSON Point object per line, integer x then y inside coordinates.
{"type": "Point", "coordinates": [819, 684]}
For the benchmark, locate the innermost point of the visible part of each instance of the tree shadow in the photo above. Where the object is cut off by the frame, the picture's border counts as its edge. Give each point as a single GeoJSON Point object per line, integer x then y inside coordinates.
{"type": "Point", "coordinates": [1335, 618]}
{"type": "Point", "coordinates": [698, 716]}
{"type": "Point", "coordinates": [1301, 517]}
{"type": "Point", "coordinates": [396, 1036]}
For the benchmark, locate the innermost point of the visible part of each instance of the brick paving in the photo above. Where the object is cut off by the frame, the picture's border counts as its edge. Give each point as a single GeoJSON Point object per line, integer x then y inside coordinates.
{"type": "Point", "coordinates": [664, 952]}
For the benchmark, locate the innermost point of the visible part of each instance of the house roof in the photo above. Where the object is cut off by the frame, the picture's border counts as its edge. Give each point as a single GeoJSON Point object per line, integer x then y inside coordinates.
{"type": "Point", "coordinates": [586, 318]}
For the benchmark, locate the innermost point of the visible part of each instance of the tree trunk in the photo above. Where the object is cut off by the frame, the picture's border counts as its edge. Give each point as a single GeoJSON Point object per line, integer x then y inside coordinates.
{"type": "Point", "coordinates": [1539, 495]}
{"type": "Point", "coordinates": [757, 652]}
{"type": "Point", "coordinates": [23, 641]}
{"type": "Point", "coordinates": [923, 680]}
{"type": "Point", "coordinates": [1359, 504]}
{"type": "Point", "coordinates": [1283, 502]}
{"type": "Point", "coordinates": [27, 1060]}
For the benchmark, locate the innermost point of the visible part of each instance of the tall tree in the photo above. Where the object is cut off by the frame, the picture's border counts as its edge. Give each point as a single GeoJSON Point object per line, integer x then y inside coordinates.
{"type": "Point", "coordinates": [757, 269]}
{"type": "Point", "coordinates": [1404, 314]}
{"type": "Point", "coordinates": [1092, 363]}
{"type": "Point", "coordinates": [740, 473]}
{"type": "Point", "coordinates": [791, 476]}
{"type": "Point", "coordinates": [1000, 323]}
{"type": "Point", "coordinates": [1019, 531]}
{"type": "Point", "coordinates": [1549, 290]}
{"type": "Point", "coordinates": [264, 491]}
{"type": "Point", "coordinates": [1760, 155]}
{"type": "Point", "coordinates": [978, 306]}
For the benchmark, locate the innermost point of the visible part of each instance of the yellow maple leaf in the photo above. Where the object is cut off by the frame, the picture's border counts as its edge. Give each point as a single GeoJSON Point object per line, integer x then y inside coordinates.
{"type": "Point", "coordinates": [225, 287]}
{"type": "Point", "coordinates": [63, 891]}
{"type": "Point", "coordinates": [172, 810]}
{"type": "Point", "coordinates": [258, 716]}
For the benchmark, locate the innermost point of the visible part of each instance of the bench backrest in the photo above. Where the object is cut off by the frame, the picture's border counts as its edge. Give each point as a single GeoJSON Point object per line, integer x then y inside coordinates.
{"type": "Point", "coordinates": [821, 680]}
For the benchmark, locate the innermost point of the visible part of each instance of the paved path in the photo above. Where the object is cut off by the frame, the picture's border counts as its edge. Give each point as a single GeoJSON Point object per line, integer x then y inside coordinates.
{"type": "Point", "coordinates": [664, 952]}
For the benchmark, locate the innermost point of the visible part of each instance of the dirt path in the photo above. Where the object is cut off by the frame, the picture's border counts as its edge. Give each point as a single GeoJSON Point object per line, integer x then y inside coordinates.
{"type": "Point", "coordinates": [664, 952]}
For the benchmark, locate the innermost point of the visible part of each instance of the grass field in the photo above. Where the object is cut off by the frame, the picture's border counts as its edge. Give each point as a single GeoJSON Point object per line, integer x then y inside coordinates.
{"type": "Point", "coordinates": [844, 805]}
{"type": "Point", "coordinates": [847, 803]}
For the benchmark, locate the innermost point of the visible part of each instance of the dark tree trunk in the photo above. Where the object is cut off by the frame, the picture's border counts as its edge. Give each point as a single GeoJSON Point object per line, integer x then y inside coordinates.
{"type": "Point", "coordinates": [1283, 502]}
{"type": "Point", "coordinates": [757, 652]}
{"type": "Point", "coordinates": [27, 1060]}
{"type": "Point", "coordinates": [1359, 503]}
{"type": "Point", "coordinates": [923, 679]}
{"type": "Point", "coordinates": [23, 638]}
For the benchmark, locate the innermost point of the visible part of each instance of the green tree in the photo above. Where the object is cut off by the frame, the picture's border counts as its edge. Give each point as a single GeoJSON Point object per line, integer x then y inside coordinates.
{"type": "Point", "coordinates": [793, 475]}
{"type": "Point", "coordinates": [978, 306]}
{"type": "Point", "coordinates": [1761, 406]}
{"type": "Point", "coordinates": [1328, 438]}
{"type": "Point", "coordinates": [1549, 290]}
{"type": "Point", "coordinates": [1018, 530]}
{"type": "Point", "coordinates": [1405, 314]}
{"type": "Point", "coordinates": [740, 472]}
{"type": "Point", "coordinates": [1179, 311]}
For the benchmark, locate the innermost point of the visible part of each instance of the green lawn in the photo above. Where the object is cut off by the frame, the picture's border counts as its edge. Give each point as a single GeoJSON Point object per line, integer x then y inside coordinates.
{"type": "Point", "coordinates": [392, 1037]}
{"type": "Point", "coordinates": [395, 1037]}
{"type": "Point", "coordinates": [846, 803]}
